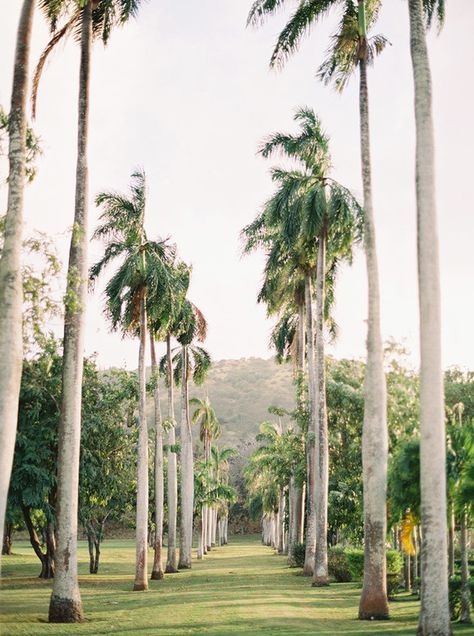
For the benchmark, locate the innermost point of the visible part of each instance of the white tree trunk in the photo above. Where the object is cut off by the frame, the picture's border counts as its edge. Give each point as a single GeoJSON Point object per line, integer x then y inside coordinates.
{"type": "Point", "coordinates": [310, 553]}
{"type": "Point", "coordinates": [209, 528]}
{"type": "Point", "coordinates": [171, 564]}
{"type": "Point", "coordinates": [141, 582]}
{"type": "Point", "coordinates": [322, 450]}
{"type": "Point", "coordinates": [200, 550]}
{"type": "Point", "coordinates": [204, 529]}
{"type": "Point", "coordinates": [11, 292]}
{"type": "Point", "coordinates": [373, 601]}
{"type": "Point", "coordinates": [65, 603]}
{"type": "Point", "coordinates": [434, 616]}
{"type": "Point", "coordinates": [187, 474]}
{"type": "Point", "coordinates": [214, 526]}
{"type": "Point", "coordinates": [465, 616]}
{"type": "Point", "coordinates": [157, 572]}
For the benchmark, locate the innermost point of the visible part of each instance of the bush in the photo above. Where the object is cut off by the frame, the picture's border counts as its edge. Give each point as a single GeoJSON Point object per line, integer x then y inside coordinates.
{"type": "Point", "coordinates": [337, 564]}
{"type": "Point", "coordinates": [455, 596]}
{"type": "Point", "coordinates": [393, 583]}
{"type": "Point", "coordinates": [299, 550]}
{"type": "Point", "coordinates": [355, 563]}
{"type": "Point", "coordinates": [394, 562]}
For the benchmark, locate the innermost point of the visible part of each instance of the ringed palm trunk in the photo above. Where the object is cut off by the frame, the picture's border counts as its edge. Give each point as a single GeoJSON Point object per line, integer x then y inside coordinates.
{"type": "Point", "coordinates": [11, 292]}
{"type": "Point", "coordinates": [65, 604]}
{"type": "Point", "coordinates": [310, 553]}
{"type": "Point", "coordinates": [465, 616]}
{"type": "Point", "coordinates": [434, 616]}
{"type": "Point", "coordinates": [187, 474]}
{"type": "Point", "coordinates": [157, 572]}
{"type": "Point", "coordinates": [320, 577]}
{"type": "Point", "coordinates": [373, 602]}
{"type": "Point", "coordinates": [171, 565]}
{"type": "Point", "coordinates": [141, 582]}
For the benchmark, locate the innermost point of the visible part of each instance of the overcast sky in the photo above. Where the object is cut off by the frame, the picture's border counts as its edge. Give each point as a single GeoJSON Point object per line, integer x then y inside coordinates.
{"type": "Point", "coordinates": [185, 92]}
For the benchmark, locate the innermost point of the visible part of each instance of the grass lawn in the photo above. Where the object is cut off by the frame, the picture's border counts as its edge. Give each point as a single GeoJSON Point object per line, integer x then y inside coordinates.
{"type": "Point", "coordinates": [242, 588]}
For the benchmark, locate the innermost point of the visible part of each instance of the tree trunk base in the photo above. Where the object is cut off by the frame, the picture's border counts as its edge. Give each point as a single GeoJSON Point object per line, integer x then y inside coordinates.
{"type": "Point", "coordinates": [320, 581]}
{"type": "Point", "coordinates": [308, 570]}
{"type": "Point", "coordinates": [157, 575]}
{"type": "Point", "coordinates": [170, 569]}
{"type": "Point", "coordinates": [373, 607]}
{"type": "Point", "coordinates": [184, 566]}
{"type": "Point", "coordinates": [65, 610]}
{"type": "Point", "coordinates": [140, 587]}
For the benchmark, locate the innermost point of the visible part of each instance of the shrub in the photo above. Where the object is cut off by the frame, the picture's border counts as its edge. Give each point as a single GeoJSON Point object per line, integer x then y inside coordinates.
{"type": "Point", "coordinates": [393, 583]}
{"type": "Point", "coordinates": [394, 562]}
{"type": "Point", "coordinates": [355, 563]}
{"type": "Point", "coordinates": [455, 596]}
{"type": "Point", "coordinates": [299, 550]}
{"type": "Point", "coordinates": [337, 564]}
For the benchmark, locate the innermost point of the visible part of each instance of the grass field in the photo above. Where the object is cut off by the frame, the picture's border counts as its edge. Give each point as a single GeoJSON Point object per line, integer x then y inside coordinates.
{"type": "Point", "coordinates": [242, 588]}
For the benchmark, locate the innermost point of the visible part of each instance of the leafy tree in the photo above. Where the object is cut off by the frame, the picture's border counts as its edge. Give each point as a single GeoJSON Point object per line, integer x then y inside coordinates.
{"type": "Point", "coordinates": [108, 441]}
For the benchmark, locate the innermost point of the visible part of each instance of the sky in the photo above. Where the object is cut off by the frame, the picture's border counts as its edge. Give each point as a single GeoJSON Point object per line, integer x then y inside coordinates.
{"type": "Point", "coordinates": [185, 92]}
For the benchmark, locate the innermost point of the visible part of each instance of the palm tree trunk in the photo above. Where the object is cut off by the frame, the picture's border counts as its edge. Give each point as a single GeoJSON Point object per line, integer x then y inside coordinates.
{"type": "Point", "coordinates": [157, 572]}
{"type": "Point", "coordinates": [187, 474]}
{"type": "Point", "coordinates": [65, 604]}
{"type": "Point", "coordinates": [320, 577]}
{"type": "Point", "coordinates": [465, 616]}
{"type": "Point", "coordinates": [11, 292]}
{"type": "Point", "coordinates": [452, 527]}
{"type": "Point", "coordinates": [373, 602]}
{"type": "Point", "coordinates": [141, 582]}
{"type": "Point", "coordinates": [200, 552]}
{"type": "Point", "coordinates": [171, 566]}
{"type": "Point", "coordinates": [310, 553]}
{"type": "Point", "coordinates": [434, 616]}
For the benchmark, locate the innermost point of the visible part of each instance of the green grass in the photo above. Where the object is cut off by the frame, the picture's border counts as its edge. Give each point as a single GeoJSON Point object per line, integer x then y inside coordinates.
{"type": "Point", "coordinates": [242, 588]}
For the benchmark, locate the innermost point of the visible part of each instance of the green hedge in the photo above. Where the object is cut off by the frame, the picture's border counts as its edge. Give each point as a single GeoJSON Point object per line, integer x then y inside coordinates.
{"type": "Point", "coordinates": [355, 562]}
{"type": "Point", "coordinates": [338, 567]}
{"type": "Point", "coordinates": [455, 595]}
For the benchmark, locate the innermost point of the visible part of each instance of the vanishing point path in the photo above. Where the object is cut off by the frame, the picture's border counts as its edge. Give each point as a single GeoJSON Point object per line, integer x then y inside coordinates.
{"type": "Point", "coordinates": [241, 588]}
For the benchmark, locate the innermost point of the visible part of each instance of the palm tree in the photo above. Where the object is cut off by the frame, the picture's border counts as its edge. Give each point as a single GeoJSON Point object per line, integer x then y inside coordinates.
{"type": "Point", "coordinates": [157, 571]}
{"type": "Point", "coordinates": [309, 206]}
{"type": "Point", "coordinates": [220, 461]}
{"type": "Point", "coordinates": [189, 361]}
{"type": "Point", "coordinates": [209, 429]}
{"type": "Point", "coordinates": [434, 616]}
{"type": "Point", "coordinates": [146, 269]}
{"type": "Point", "coordinates": [11, 337]}
{"type": "Point", "coordinates": [351, 49]}
{"type": "Point", "coordinates": [160, 318]}
{"type": "Point", "coordinates": [88, 17]}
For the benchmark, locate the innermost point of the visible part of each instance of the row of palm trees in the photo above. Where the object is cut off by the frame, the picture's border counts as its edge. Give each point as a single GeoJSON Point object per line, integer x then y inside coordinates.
{"type": "Point", "coordinates": [146, 297]}
{"type": "Point", "coordinates": [147, 293]}
{"type": "Point", "coordinates": [296, 229]}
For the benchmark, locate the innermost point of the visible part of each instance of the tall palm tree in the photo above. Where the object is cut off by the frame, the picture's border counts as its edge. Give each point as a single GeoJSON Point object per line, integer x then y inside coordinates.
{"type": "Point", "coordinates": [189, 361]}
{"type": "Point", "coordinates": [89, 17]}
{"type": "Point", "coordinates": [309, 206]}
{"type": "Point", "coordinates": [434, 616]}
{"type": "Point", "coordinates": [209, 429]}
{"type": "Point", "coordinates": [11, 293]}
{"type": "Point", "coordinates": [351, 49]}
{"type": "Point", "coordinates": [146, 269]}
{"type": "Point", "coordinates": [161, 317]}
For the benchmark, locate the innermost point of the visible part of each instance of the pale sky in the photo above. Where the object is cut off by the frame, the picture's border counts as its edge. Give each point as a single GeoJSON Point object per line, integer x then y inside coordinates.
{"type": "Point", "coordinates": [185, 92]}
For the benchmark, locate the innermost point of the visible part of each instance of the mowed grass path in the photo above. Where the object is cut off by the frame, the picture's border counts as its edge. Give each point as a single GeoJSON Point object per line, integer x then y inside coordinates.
{"type": "Point", "coordinates": [242, 588]}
